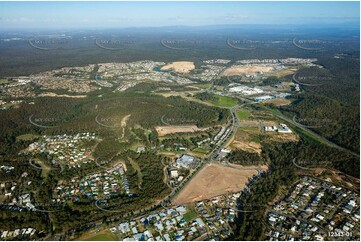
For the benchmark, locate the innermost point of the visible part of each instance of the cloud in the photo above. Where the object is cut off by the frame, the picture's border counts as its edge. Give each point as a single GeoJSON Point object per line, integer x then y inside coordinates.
{"type": "Point", "coordinates": [18, 20]}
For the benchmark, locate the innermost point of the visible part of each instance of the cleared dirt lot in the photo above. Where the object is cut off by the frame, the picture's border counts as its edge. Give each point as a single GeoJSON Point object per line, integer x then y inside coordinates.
{"type": "Point", "coordinates": [179, 66]}
{"type": "Point", "coordinates": [249, 137]}
{"type": "Point", "coordinates": [165, 130]}
{"type": "Point", "coordinates": [214, 180]}
{"type": "Point", "coordinates": [252, 147]}
{"type": "Point", "coordinates": [279, 101]}
{"type": "Point", "coordinates": [249, 123]}
{"type": "Point", "coordinates": [51, 94]}
{"type": "Point", "coordinates": [283, 73]}
{"type": "Point", "coordinates": [246, 70]}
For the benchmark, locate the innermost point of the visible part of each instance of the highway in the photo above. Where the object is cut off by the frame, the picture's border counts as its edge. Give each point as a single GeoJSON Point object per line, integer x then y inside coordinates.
{"type": "Point", "coordinates": [300, 126]}
{"type": "Point", "coordinates": [312, 133]}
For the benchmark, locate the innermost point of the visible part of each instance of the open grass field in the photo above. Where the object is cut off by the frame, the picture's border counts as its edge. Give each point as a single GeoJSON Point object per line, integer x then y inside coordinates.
{"type": "Point", "coordinates": [243, 114]}
{"type": "Point", "coordinates": [101, 236]}
{"type": "Point", "coordinates": [202, 150]}
{"type": "Point", "coordinates": [44, 168]}
{"type": "Point", "coordinates": [3, 81]}
{"type": "Point", "coordinates": [224, 101]}
{"type": "Point", "coordinates": [26, 137]}
{"type": "Point", "coordinates": [214, 180]}
{"type": "Point", "coordinates": [190, 215]}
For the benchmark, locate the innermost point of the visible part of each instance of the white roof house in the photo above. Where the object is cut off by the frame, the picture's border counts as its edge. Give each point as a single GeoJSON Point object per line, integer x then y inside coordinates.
{"type": "Point", "coordinates": [174, 173]}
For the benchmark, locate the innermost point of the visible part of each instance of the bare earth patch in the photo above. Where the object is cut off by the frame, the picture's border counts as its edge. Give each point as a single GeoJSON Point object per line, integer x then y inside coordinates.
{"type": "Point", "coordinates": [285, 72]}
{"type": "Point", "coordinates": [251, 123]}
{"type": "Point", "coordinates": [164, 130]}
{"type": "Point", "coordinates": [123, 123]}
{"type": "Point", "coordinates": [169, 154]}
{"type": "Point", "coordinates": [252, 147]}
{"type": "Point", "coordinates": [243, 141]}
{"type": "Point", "coordinates": [334, 176]}
{"type": "Point", "coordinates": [214, 180]}
{"type": "Point", "coordinates": [51, 94]}
{"type": "Point", "coordinates": [194, 87]}
{"type": "Point", "coordinates": [270, 123]}
{"type": "Point", "coordinates": [279, 101]}
{"type": "Point", "coordinates": [286, 137]}
{"type": "Point", "coordinates": [246, 70]}
{"type": "Point", "coordinates": [179, 66]}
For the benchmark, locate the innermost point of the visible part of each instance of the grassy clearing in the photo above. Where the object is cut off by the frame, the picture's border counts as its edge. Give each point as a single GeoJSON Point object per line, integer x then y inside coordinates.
{"type": "Point", "coordinates": [4, 81]}
{"type": "Point", "coordinates": [243, 114]}
{"type": "Point", "coordinates": [134, 146]}
{"type": "Point", "coordinates": [136, 167]}
{"type": "Point", "coordinates": [26, 137]}
{"type": "Point", "coordinates": [201, 150]}
{"type": "Point", "coordinates": [190, 215]}
{"type": "Point", "coordinates": [203, 86]}
{"type": "Point", "coordinates": [103, 236]}
{"type": "Point", "coordinates": [306, 136]}
{"type": "Point", "coordinates": [224, 101]}
{"type": "Point", "coordinates": [276, 111]}
{"type": "Point", "coordinates": [44, 168]}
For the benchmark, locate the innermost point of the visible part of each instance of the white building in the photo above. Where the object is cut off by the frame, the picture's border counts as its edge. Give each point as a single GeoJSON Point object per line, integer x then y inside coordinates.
{"type": "Point", "coordinates": [185, 161]}
{"type": "Point", "coordinates": [284, 129]}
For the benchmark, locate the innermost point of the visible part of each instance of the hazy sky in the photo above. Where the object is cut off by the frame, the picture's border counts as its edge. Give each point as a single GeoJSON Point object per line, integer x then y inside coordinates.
{"type": "Point", "coordinates": [138, 14]}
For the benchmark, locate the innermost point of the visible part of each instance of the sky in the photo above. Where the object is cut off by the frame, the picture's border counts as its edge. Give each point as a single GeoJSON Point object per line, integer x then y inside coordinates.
{"type": "Point", "coordinates": [54, 15]}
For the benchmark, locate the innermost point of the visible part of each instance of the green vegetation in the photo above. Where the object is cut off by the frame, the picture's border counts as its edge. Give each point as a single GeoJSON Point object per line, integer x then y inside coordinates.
{"type": "Point", "coordinates": [71, 116]}
{"type": "Point", "coordinates": [202, 150]}
{"type": "Point", "coordinates": [26, 137]}
{"type": "Point", "coordinates": [203, 86]}
{"type": "Point", "coordinates": [244, 158]}
{"type": "Point", "coordinates": [4, 81]}
{"type": "Point", "coordinates": [44, 168]}
{"type": "Point", "coordinates": [224, 101]}
{"type": "Point", "coordinates": [190, 215]}
{"type": "Point", "coordinates": [327, 117]}
{"type": "Point", "coordinates": [243, 114]}
{"type": "Point", "coordinates": [270, 81]}
{"type": "Point", "coordinates": [136, 167]}
{"type": "Point", "coordinates": [335, 103]}
{"type": "Point", "coordinates": [103, 236]}
{"type": "Point", "coordinates": [217, 100]}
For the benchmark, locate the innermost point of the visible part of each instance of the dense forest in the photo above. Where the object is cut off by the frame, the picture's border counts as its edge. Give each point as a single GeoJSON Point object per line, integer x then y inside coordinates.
{"type": "Point", "coordinates": [328, 117]}
{"type": "Point", "coordinates": [331, 106]}
{"type": "Point", "coordinates": [20, 58]}
{"type": "Point", "coordinates": [245, 158]}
